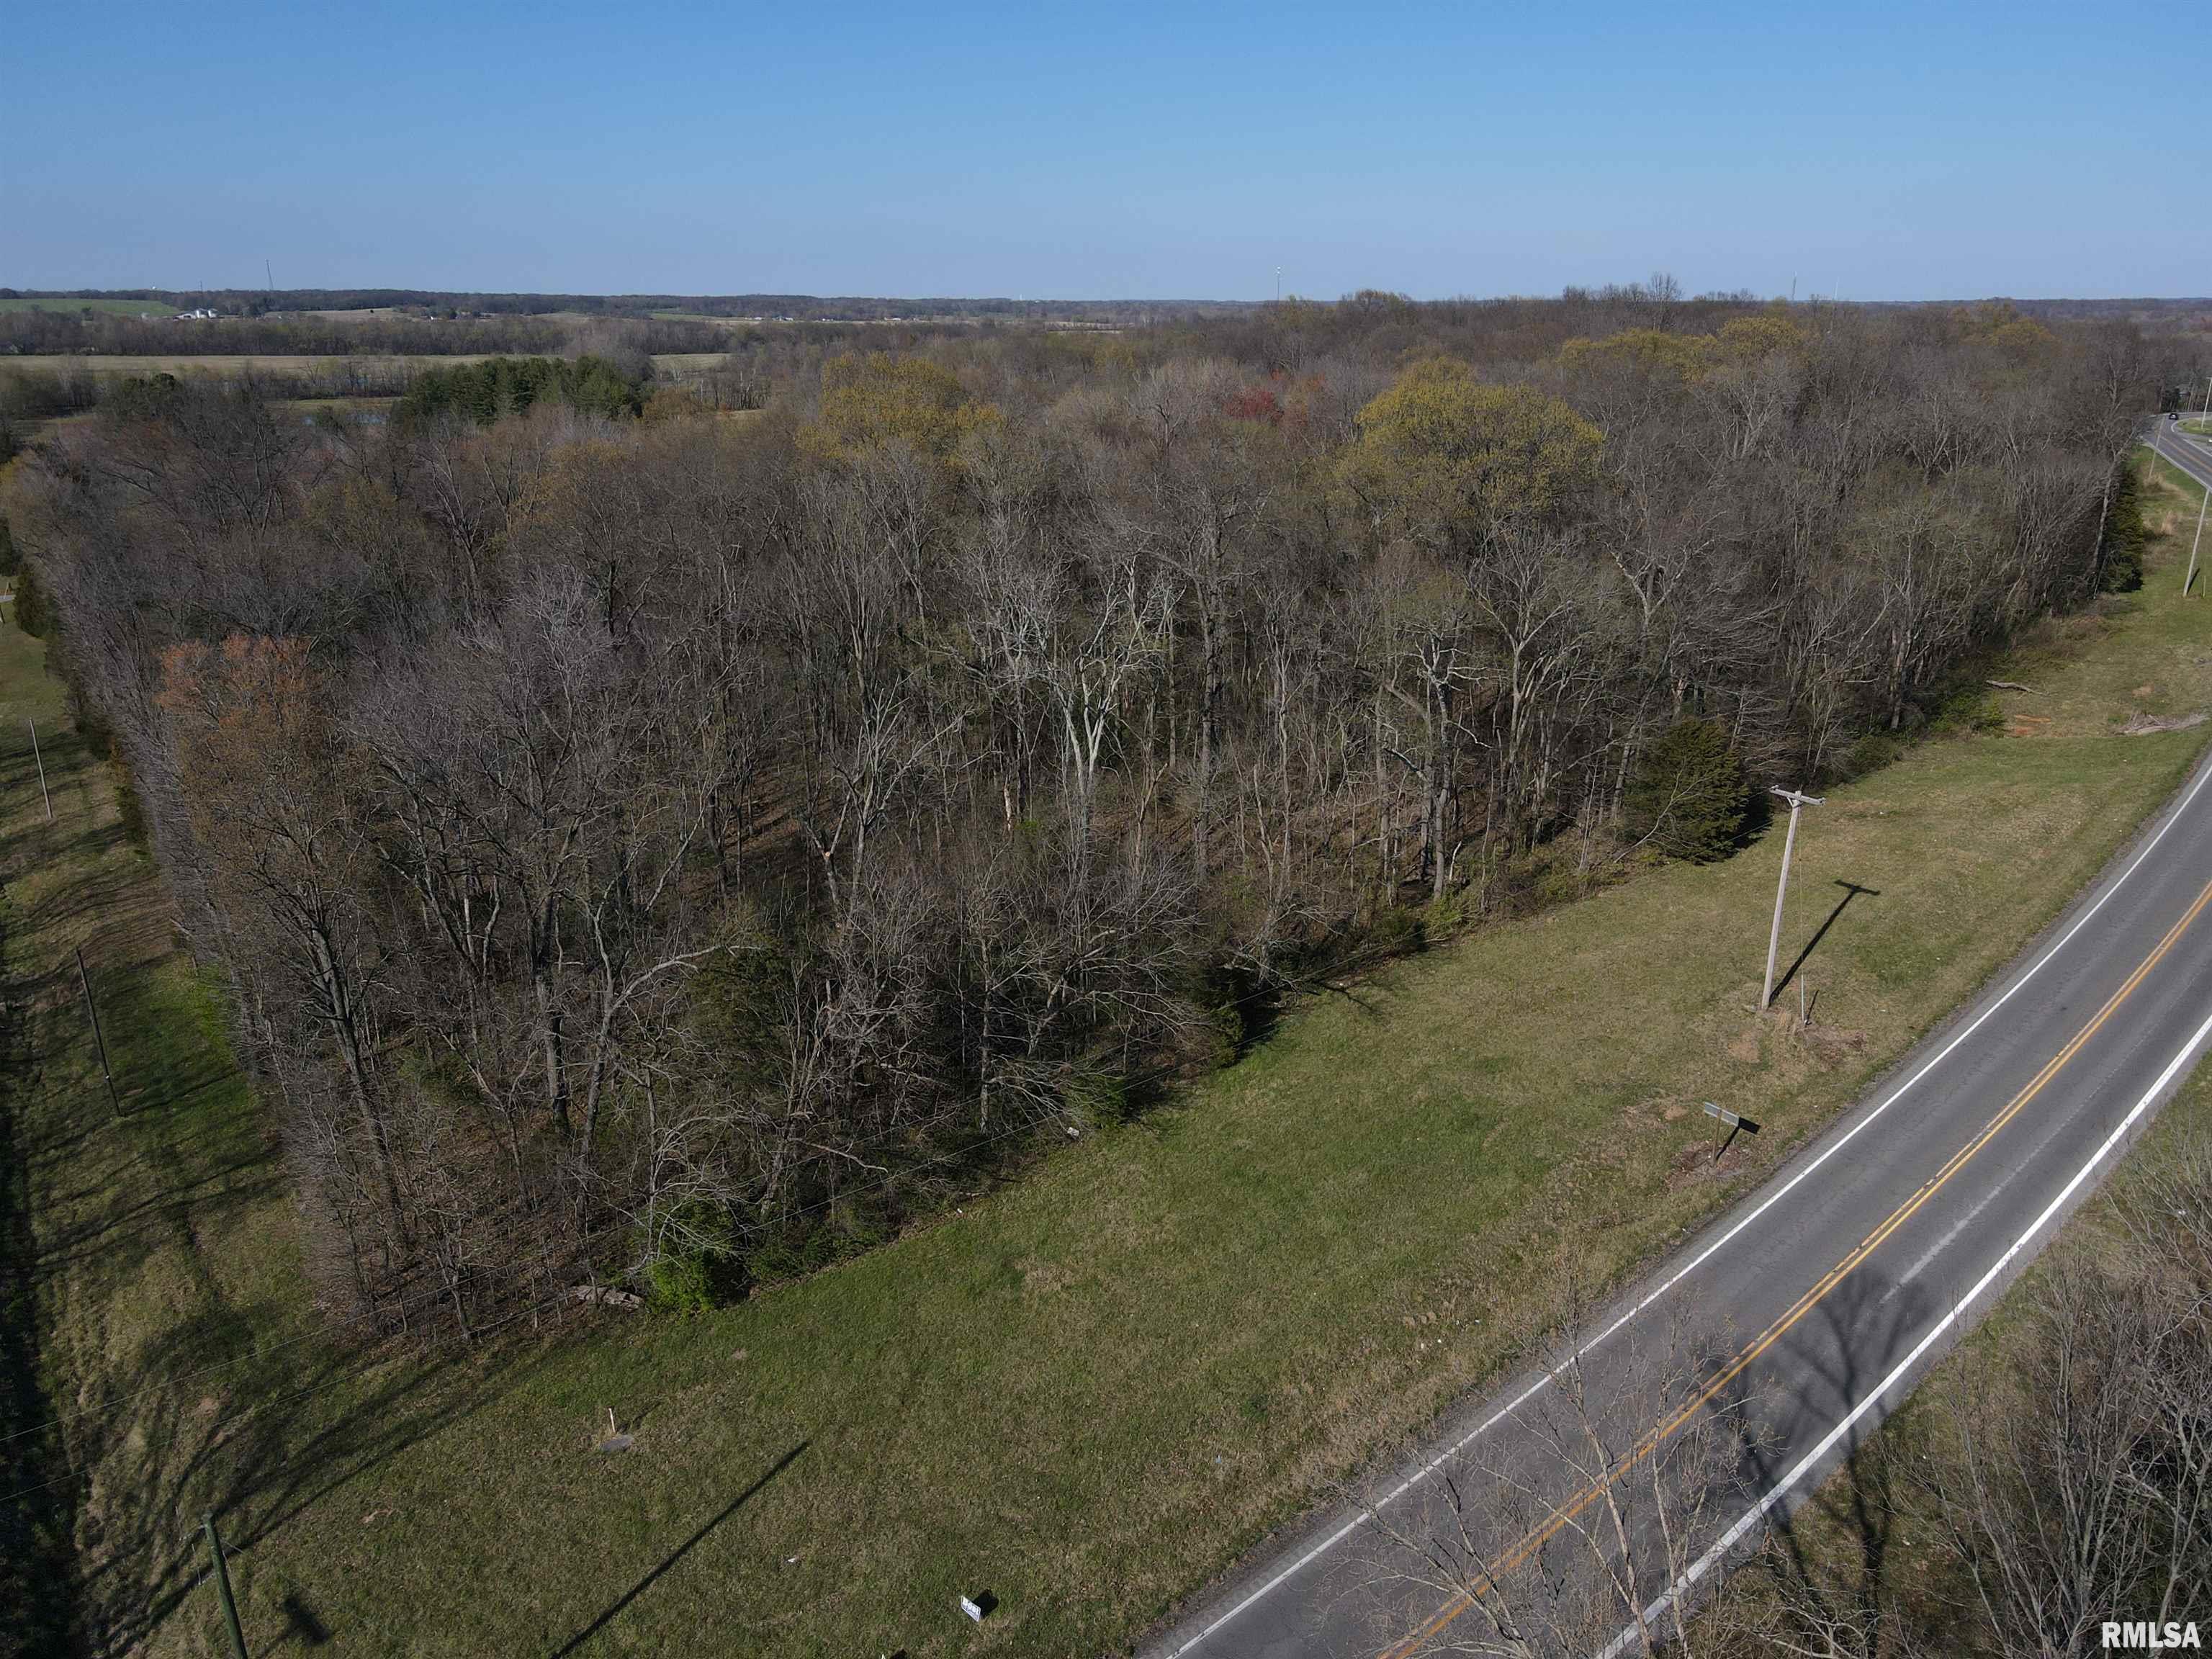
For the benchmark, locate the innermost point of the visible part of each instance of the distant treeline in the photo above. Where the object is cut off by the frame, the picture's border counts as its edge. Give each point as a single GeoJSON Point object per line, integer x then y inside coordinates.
{"type": "Point", "coordinates": [2161, 314]}
{"type": "Point", "coordinates": [792, 308]}
{"type": "Point", "coordinates": [434, 323]}
{"type": "Point", "coordinates": [814, 308]}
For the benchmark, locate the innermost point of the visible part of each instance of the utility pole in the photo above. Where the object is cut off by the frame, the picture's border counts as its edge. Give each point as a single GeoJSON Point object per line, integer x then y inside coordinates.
{"type": "Point", "coordinates": [2205, 419]}
{"type": "Point", "coordinates": [98, 1042]}
{"type": "Point", "coordinates": [41, 761]}
{"type": "Point", "coordinates": [1796, 798]}
{"type": "Point", "coordinates": [222, 1586]}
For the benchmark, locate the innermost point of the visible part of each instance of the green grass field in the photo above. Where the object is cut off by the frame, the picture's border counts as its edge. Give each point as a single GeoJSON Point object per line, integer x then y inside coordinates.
{"type": "Point", "coordinates": [2204, 427]}
{"type": "Point", "coordinates": [227, 364]}
{"type": "Point", "coordinates": [106, 307]}
{"type": "Point", "coordinates": [674, 362]}
{"type": "Point", "coordinates": [1089, 1392]}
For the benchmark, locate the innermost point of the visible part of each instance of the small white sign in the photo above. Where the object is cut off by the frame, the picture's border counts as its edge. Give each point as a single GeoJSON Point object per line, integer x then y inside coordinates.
{"type": "Point", "coordinates": [971, 1609]}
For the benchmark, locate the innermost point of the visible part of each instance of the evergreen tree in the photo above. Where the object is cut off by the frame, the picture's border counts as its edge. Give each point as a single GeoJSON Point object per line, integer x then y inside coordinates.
{"type": "Point", "coordinates": [2120, 561]}
{"type": "Point", "coordinates": [1689, 798]}
{"type": "Point", "coordinates": [31, 607]}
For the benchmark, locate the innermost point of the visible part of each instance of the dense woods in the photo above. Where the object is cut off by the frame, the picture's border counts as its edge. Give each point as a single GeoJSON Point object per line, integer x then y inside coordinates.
{"type": "Point", "coordinates": [651, 846]}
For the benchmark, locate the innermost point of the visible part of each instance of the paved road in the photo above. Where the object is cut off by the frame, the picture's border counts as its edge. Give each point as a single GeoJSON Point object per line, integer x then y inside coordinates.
{"type": "Point", "coordinates": [1819, 1300]}
{"type": "Point", "coordinates": [2191, 454]}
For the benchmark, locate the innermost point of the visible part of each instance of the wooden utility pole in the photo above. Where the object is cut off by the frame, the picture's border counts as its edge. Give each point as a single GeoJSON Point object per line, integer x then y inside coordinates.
{"type": "Point", "coordinates": [2204, 420]}
{"type": "Point", "coordinates": [1796, 800]}
{"type": "Point", "coordinates": [2189, 575]}
{"type": "Point", "coordinates": [41, 761]}
{"type": "Point", "coordinates": [2206, 500]}
{"type": "Point", "coordinates": [222, 1586]}
{"type": "Point", "coordinates": [92, 1009]}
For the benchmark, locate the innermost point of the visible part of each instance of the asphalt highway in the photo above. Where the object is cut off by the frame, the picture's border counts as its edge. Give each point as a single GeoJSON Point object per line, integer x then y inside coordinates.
{"type": "Point", "coordinates": [1799, 1318]}
{"type": "Point", "coordinates": [2191, 454]}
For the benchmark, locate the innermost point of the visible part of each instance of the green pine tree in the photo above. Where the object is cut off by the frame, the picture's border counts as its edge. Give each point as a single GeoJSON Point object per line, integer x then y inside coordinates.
{"type": "Point", "coordinates": [2121, 558]}
{"type": "Point", "coordinates": [1689, 797]}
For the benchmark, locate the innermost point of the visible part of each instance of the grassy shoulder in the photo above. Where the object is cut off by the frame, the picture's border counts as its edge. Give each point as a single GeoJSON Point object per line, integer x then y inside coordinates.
{"type": "Point", "coordinates": [1089, 1392]}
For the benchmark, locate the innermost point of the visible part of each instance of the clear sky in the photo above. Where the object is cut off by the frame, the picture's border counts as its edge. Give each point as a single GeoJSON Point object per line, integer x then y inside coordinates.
{"type": "Point", "coordinates": [1136, 149]}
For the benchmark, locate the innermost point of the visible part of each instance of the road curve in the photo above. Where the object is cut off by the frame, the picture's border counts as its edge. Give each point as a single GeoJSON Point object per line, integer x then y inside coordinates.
{"type": "Point", "coordinates": [1827, 1294]}
{"type": "Point", "coordinates": [2192, 454]}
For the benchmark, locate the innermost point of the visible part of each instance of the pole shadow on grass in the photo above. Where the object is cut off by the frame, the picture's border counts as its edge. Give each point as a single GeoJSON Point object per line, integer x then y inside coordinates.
{"type": "Point", "coordinates": [1852, 890]}
{"type": "Point", "coordinates": [677, 1554]}
{"type": "Point", "coordinates": [302, 1624]}
{"type": "Point", "coordinates": [260, 1459]}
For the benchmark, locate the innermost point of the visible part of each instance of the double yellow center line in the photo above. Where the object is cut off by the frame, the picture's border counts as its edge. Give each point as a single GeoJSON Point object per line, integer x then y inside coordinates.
{"type": "Point", "coordinates": [1563, 1515]}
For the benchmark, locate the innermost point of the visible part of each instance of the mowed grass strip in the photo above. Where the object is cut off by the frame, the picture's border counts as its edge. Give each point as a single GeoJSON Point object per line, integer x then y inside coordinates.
{"type": "Point", "coordinates": [1090, 1392]}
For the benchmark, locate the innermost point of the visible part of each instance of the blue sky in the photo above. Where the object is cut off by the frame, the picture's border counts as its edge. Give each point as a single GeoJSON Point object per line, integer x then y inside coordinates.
{"type": "Point", "coordinates": [1132, 151]}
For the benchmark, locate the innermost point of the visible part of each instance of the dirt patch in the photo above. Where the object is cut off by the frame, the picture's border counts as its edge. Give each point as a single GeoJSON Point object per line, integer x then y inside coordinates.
{"type": "Point", "coordinates": [1696, 1164]}
{"type": "Point", "coordinates": [1833, 1044]}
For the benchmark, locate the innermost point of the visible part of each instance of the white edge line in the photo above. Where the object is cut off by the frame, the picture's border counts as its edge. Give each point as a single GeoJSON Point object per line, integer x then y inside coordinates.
{"type": "Point", "coordinates": [1950, 1235]}
{"type": "Point", "coordinates": [1736, 1534]}
{"type": "Point", "coordinates": [1782, 1191]}
{"type": "Point", "coordinates": [2184, 461]}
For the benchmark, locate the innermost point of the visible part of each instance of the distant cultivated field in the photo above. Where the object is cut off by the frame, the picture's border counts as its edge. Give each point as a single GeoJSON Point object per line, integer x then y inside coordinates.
{"type": "Point", "coordinates": [111, 307]}
{"type": "Point", "coordinates": [222, 363]}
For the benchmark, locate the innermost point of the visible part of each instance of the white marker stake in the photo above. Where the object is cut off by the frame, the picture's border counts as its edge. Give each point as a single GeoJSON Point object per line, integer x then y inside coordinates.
{"type": "Point", "coordinates": [1735, 1124]}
